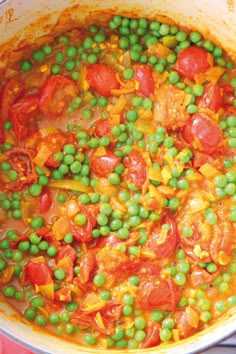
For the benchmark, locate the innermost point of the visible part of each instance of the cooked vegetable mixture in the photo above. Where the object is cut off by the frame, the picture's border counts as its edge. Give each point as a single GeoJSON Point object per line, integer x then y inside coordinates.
{"type": "Point", "coordinates": [118, 184]}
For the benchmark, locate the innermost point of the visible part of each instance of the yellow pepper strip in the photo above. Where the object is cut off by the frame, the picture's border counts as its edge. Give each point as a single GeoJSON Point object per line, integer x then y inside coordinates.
{"type": "Point", "coordinates": [213, 75]}
{"type": "Point", "coordinates": [209, 171]}
{"type": "Point", "coordinates": [46, 290]}
{"type": "Point", "coordinates": [7, 275]}
{"type": "Point", "coordinates": [42, 156]}
{"type": "Point", "coordinates": [70, 185]}
{"type": "Point", "coordinates": [145, 114]}
{"type": "Point", "coordinates": [144, 126]}
{"type": "Point", "coordinates": [99, 321]}
{"type": "Point", "coordinates": [83, 83]}
{"type": "Point", "coordinates": [47, 131]}
{"type": "Point", "coordinates": [118, 205]}
{"type": "Point", "coordinates": [118, 107]}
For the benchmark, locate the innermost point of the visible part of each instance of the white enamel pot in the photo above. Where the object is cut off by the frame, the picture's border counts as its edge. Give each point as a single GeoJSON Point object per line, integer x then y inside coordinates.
{"type": "Point", "coordinates": [21, 22]}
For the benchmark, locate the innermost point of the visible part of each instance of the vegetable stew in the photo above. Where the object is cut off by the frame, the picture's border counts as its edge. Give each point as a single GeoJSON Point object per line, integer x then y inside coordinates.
{"type": "Point", "coordinates": [118, 184]}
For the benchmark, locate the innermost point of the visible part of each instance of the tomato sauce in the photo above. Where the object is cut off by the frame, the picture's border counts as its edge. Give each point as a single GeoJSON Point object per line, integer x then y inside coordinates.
{"type": "Point", "coordinates": [118, 185]}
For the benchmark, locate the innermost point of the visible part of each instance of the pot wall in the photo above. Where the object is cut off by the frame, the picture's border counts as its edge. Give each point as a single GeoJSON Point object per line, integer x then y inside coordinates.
{"type": "Point", "coordinates": [21, 23]}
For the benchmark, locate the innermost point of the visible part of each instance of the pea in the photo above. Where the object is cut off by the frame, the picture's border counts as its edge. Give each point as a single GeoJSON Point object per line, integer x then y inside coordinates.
{"type": "Point", "coordinates": [165, 334]}
{"type": "Point", "coordinates": [40, 320]}
{"type": "Point", "coordinates": [54, 318]}
{"type": "Point", "coordinates": [173, 77]}
{"type": "Point", "coordinates": [134, 280]}
{"type": "Point", "coordinates": [17, 256]}
{"type": "Point", "coordinates": [180, 279]}
{"type": "Point", "coordinates": [140, 335]}
{"type": "Point", "coordinates": [205, 316]}
{"type": "Point", "coordinates": [183, 266]}
{"type": "Point", "coordinates": [59, 274]}
{"type": "Point", "coordinates": [51, 251]}
{"type": "Point", "coordinates": [114, 178]}
{"type": "Point", "coordinates": [127, 310]}
{"type": "Point", "coordinates": [223, 287]}
{"type": "Point", "coordinates": [221, 306]}
{"type": "Point", "coordinates": [140, 323]}
{"type": "Point", "coordinates": [99, 279]}
{"type": "Point", "coordinates": [36, 223]}
{"type": "Point", "coordinates": [26, 66]}
{"type": "Point", "coordinates": [30, 314]}
{"type": "Point", "coordinates": [37, 302]}
{"type": "Point", "coordinates": [119, 334]}
{"type": "Point", "coordinates": [231, 300]}
{"type": "Point", "coordinates": [35, 189]}
{"type": "Point", "coordinates": [211, 267]}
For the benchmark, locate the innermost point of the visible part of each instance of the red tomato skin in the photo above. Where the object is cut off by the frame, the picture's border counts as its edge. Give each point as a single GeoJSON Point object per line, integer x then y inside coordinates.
{"type": "Point", "coordinates": [109, 240]}
{"type": "Point", "coordinates": [144, 75]}
{"type": "Point", "coordinates": [167, 248]}
{"type": "Point", "coordinates": [66, 251]}
{"type": "Point", "coordinates": [102, 128]}
{"type": "Point", "coordinates": [102, 79]}
{"type": "Point", "coordinates": [212, 98]}
{"type": "Point", "coordinates": [136, 169]}
{"type": "Point", "coordinates": [203, 133]}
{"type": "Point", "coordinates": [153, 294]}
{"type": "Point", "coordinates": [103, 161]}
{"type": "Point", "coordinates": [84, 233]}
{"type": "Point", "coordinates": [37, 273]}
{"type": "Point", "coordinates": [55, 96]}
{"type": "Point", "coordinates": [192, 61]}
{"type": "Point", "coordinates": [21, 112]}
{"type": "Point", "coordinates": [12, 91]}
{"type": "Point", "coordinates": [45, 201]}
{"type": "Point", "coordinates": [21, 161]}
{"type": "Point", "coordinates": [2, 133]}
{"type": "Point", "coordinates": [87, 265]}
{"type": "Point", "coordinates": [153, 335]}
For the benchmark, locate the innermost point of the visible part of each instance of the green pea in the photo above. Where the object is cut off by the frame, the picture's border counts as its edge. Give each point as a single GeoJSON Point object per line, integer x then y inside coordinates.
{"type": "Point", "coordinates": [54, 318]}
{"type": "Point", "coordinates": [59, 274]}
{"type": "Point", "coordinates": [26, 66]}
{"type": "Point", "coordinates": [35, 189]}
{"type": "Point", "coordinates": [51, 251]}
{"type": "Point", "coordinates": [165, 334]}
{"type": "Point", "coordinates": [30, 314]}
{"type": "Point", "coordinates": [99, 279]}
{"type": "Point", "coordinates": [36, 223]}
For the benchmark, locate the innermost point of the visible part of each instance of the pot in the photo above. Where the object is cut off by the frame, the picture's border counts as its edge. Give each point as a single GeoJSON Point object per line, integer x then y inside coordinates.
{"type": "Point", "coordinates": [20, 24]}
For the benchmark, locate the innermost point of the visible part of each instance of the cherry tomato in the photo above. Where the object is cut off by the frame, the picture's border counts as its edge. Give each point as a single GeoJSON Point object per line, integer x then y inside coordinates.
{"type": "Point", "coordinates": [163, 241]}
{"type": "Point", "coordinates": [87, 265]}
{"type": "Point", "coordinates": [192, 61]}
{"type": "Point", "coordinates": [136, 169]}
{"type": "Point", "coordinates": [200, 276]}
{"type": "Point", "coordinates": [186, 322]}
{"type": "Point", "coordinates": [170, 107]}
{"type": "Point", "coordinates": [102, 128]}
{"type": "Point", "coordinates": [154, 293]}
{"type": "Point", "coordinates": [2, 133]}
{"type": "Point", "coordinates": [84, 233]}
{"type": "Point", "coordinates": [144, 75]}
{"type": "Point", "coordinates": [109, 240]}
{"type": "Point", "coordinates": [37, 273]}
{"type": "Point", "coordinates": [55, 96]}
{"type": "Point", "coordinates": [102, 79]}
{"type": "Point", "coordinates": [103, 161]}
{"type": "Point", "coordinates": [11, 92]}
{"type": "Point", "coordinates": [45, 201]}
{"type": "Point", "coordinates": [66, 251]}
{"type": "Point", "coordinates": [153, 335]}
{"type": "Point", "coordinates": [21, 161]}
{"type": "Point", "coordinates": [212, 98]}
{"type": "Point", "coordinates": [203, 133]}
{"type": "Point", "coordinates": [21, 113]}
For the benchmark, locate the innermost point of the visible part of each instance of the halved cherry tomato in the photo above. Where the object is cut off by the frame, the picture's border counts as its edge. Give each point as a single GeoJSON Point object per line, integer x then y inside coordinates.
{"type": "Point", "coordinates": [84, 233]}
{"type": "Point", "coordinates": [102, 128]}
{"type": "Point", "coordinates": [102, 79]}
{"type": "Point", "coordinates": [163, 241]}
{"type": "Point", "coordinates": [20, 114]}
{"type": "Point", "coordinates": [200, 276]}
{"type": "Point", "coordinates": [153, 335]}
{"type": "Point", "coordinates": [45, 201]}
{"type": "Point", "coordinates": [103, 161]}
{"type": "Point", "coordinates": [37, 273]}
{"type": "Point", "coordinates": [21, 161]}
{"type": "Point", "coordinates": [12, 91]}
{"type": "Point", "coordinates": [2, 133]}
{"type": "Point", "coordinates": [212, 98]}
{"type": "Point", "coordinates": [56, 94]}
{"type": "Point", "coordinates": [203, 133]}
{"type": "Point", "coordinates": [187, 321]}
{"type": "Point", "coordinates": [136, 172]}
{"type": "Point", "coordinates": [154, 293]}
{"type": "Point", "coordinates": [144, 75]}
{"type": "Point", "coordinates": [66, 251]}
{"type": "Point", "coordinates": [87, 265]}
{"type": "Point", "coordinates": [109, 240]}
{"type": "Point", "coordinates": [191, 61]}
